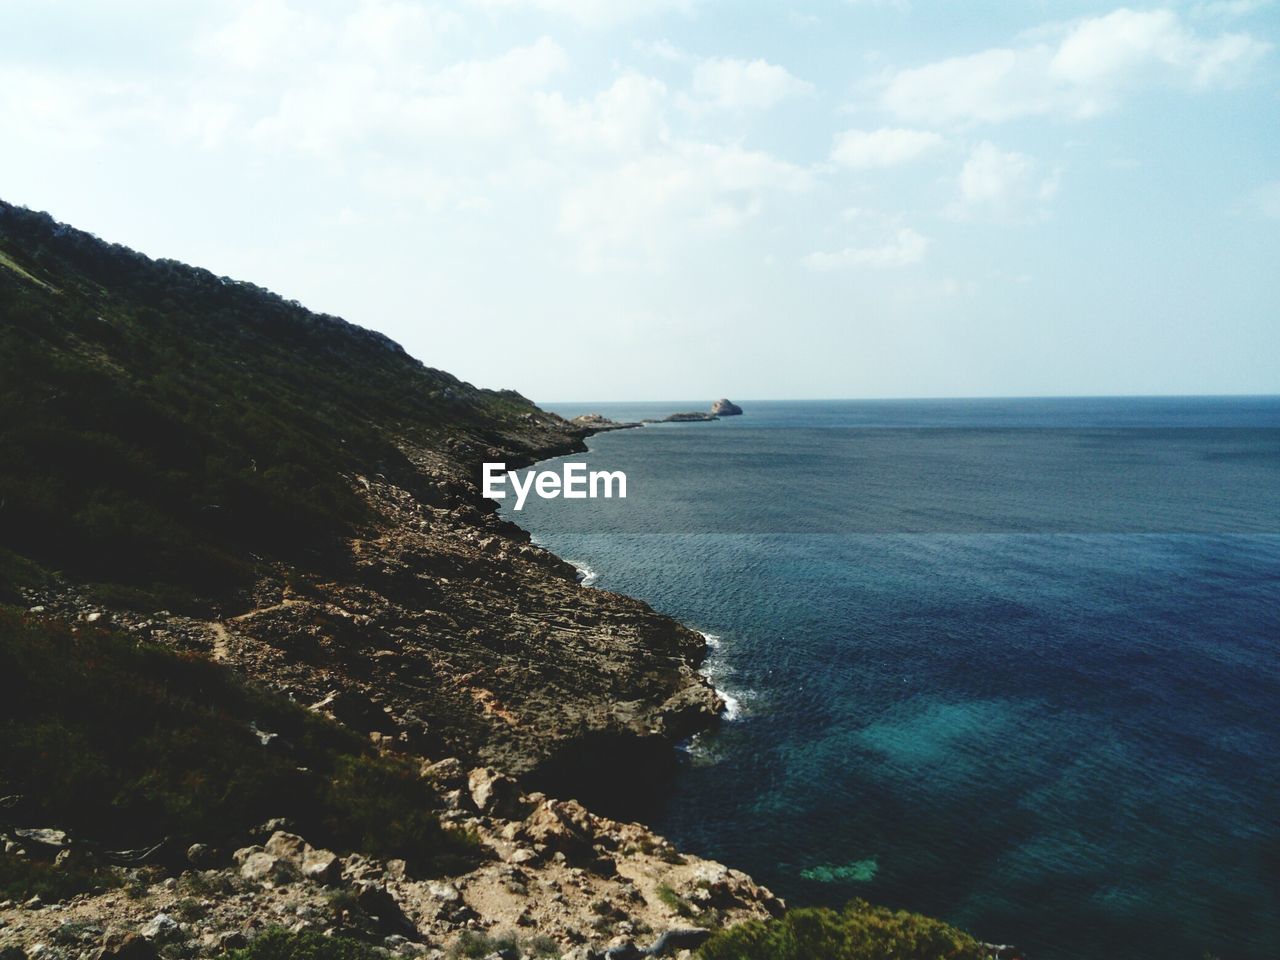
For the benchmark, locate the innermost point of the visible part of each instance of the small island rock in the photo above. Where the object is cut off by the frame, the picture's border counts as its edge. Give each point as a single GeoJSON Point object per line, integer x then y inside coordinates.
{"type": "Point", "coordinates": [725, 408]}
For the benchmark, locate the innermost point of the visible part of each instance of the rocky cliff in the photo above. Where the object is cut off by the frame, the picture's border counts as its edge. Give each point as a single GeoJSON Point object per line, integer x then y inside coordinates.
{"type": "Point", "coordinates": [209, 471]}
{"type": "Point", "coordinates": [229, 474]}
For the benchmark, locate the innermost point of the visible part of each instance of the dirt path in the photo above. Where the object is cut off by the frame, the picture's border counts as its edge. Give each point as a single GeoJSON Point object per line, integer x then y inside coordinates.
{"type": "Point", "coordinates": [221, 641]}
{"type": "Point", "coordinates": [284, 604]}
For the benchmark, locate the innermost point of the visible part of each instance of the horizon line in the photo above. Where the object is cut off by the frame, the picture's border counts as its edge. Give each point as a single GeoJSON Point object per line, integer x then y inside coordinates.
{"type": "Point", "coordinates": [900, 397]}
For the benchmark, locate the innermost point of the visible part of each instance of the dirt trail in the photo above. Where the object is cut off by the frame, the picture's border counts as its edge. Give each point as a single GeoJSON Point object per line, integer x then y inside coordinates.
{"type": "Point", "coordinates": [221, 641]}
{"type": "Point", "coordinates": [284, 604]}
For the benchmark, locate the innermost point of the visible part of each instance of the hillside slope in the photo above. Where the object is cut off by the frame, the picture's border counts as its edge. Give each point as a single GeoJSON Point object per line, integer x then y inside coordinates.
{"type": "Point", "coordinates": [224, 472]}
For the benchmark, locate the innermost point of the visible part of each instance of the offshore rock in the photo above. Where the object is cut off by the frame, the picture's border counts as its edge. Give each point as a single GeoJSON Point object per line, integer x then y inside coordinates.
{"type": "Point", "coordinates": [725, 408]}
{"type": "Point", "coordinates": [692, 416]}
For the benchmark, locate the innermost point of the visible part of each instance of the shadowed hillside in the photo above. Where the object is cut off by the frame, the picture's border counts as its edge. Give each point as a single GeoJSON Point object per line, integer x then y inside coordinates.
{"type": "Point", "coordinates": [166, 430]}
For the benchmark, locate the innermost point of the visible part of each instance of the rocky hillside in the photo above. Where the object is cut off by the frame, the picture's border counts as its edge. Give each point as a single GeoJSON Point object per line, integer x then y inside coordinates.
{"type": "Point", "coordinates": [193, 468]}
{"type": "Point", "coordinates": [226, 473]}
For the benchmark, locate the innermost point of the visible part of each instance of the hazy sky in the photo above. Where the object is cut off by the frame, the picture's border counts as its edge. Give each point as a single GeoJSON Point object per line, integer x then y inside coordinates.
{"type": "Point", "coordinates": [639, 199]}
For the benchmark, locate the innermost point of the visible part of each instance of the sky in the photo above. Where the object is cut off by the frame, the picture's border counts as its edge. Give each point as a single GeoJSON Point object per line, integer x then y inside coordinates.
{"type": "Point", "coordinates": [658, 199]}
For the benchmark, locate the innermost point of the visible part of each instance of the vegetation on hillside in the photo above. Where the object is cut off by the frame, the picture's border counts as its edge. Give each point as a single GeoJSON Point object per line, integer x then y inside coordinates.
{"type": "Point", "coordinates": [858, 932]}
{"type": "Point", "coordinates": [308, 945]}
{"type": "Point", "coordinates": [128, 744]}
{"type": "Point", "coordinates": [164, 430]}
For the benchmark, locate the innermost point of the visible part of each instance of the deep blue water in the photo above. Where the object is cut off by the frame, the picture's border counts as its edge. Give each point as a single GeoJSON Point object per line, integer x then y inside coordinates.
{"type": "Point", "coordinates": [1009, 662]}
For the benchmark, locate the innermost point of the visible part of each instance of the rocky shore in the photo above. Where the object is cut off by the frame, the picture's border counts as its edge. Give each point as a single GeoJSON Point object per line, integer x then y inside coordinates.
{"type": "Point", "coordinates": [452, 636]}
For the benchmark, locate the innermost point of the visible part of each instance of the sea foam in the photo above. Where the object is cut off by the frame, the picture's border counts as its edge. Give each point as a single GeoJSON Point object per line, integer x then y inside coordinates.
{"type": "Point", "coordinates": [711, 669]}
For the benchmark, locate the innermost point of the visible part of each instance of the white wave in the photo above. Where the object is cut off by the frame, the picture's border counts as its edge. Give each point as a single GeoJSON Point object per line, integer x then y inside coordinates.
{"type": "Point", "coordinates": [712, 669]}
{"type": "Point", "coordinates": [586, 576]}
{"type": "Point", "coordinates": [732, 708]}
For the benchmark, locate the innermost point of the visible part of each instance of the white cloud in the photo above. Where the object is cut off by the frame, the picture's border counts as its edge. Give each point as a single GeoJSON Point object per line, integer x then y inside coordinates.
{"type": "Point", "coordinates": [1092, 64]}
{"type": "Point", "coordinates": [629, 116]}
{"type": "Point", "coordinates": [886, 147]}
{"type": "Point", "coordinates": [277, 36]}
{"type": "Point", "coordinates": [648, 205]}
{"type": "Point", "coordinates": [1001, 185]}
{"type": "Point", "coordinates": [661, 49]}
{"type": "Point", "coordinates": [744, 84]}
{"type": "Point", "coordinates": [593, 12]}
{"type": "Point", "coordinates": [345, 103]}
{"type": "Point", "coordinates": [903, 249]}
{"type": "Point", "coordinates": [1103, 52]}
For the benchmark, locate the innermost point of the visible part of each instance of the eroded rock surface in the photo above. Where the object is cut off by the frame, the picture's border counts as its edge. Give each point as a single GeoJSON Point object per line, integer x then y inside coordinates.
{"type": "Point", "coordinates": [448, 632]}
{"type": "Point", "coordinates": [579, 883]}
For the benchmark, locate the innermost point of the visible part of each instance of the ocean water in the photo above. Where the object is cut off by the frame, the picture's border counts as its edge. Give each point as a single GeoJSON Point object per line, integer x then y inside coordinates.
{"type": "Point", "coordinates": [1014, 663]}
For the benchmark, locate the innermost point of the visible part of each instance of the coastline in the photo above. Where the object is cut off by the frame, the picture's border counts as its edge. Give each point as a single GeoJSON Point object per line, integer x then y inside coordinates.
{"type": "Point", "coordinates": [378, 634]}
{"type": "Point", "coordinates": [539, 786]}
{"type": "Point", "coordinates": [729, 704]}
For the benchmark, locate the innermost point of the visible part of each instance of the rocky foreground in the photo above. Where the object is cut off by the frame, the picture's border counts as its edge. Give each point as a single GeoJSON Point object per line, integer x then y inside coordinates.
{"type": "Point", "coordinates": [556, 881]}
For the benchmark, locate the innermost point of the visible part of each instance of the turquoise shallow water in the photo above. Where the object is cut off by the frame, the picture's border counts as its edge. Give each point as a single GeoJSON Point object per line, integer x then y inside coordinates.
{"type": "Point", "coordinates": [1008, 662]}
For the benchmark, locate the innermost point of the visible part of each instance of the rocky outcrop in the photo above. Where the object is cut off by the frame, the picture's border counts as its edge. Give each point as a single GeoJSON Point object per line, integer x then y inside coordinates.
{"type": "Point", "coordinates": [597, 423]}
{"type": "Point", "coordinates": [583, 885]}
{"type": "Point", "coordinates": [725, 408]}
{"type": "Point", "coordinates": [692, 416]}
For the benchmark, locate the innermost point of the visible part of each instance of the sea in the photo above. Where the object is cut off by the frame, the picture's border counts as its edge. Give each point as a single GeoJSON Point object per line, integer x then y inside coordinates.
{"type": "Point", "coordinates": [1014, 663]}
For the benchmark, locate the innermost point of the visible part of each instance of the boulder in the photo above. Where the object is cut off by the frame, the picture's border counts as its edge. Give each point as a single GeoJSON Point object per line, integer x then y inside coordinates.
{"type": "Point", "coordinates": [244, 853]}
{"type": "Point", "coordinates": [446, 774]}
{"type": "Point", "coordinates": [377, 903]}
{"type": "Point", "coordinates": [564, 826]}
{"type": "Point", "coordinates": [162, 928]}
{"type": "Point", "coordinates": [725, 408]}
{"type": "Point", "coordinates": [677, 939]}
{"type": "Point", "coordinates": [263, 867]}
{"type": "Point", "coordinates": [200, 855]}
{"type": "Point", "coordinates": [126, 946]}
{"type": "Point", "coordinates": [321, 866]}
{"type": "Point", "coordinates": [265, 830]}
{"type": "Point", "coordinates": [44, 837]}
{"type": "Point", "coordinates": [286, 846]}
{"type": "Point", "coordinates": [493, 793]}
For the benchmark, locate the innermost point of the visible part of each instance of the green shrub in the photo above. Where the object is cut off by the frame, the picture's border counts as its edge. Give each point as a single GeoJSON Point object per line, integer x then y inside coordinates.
{"type": "Point", "coordinates": [858, 932]}
{"type": "Point", "coordinates": [542, 946]}
{"type": "Point", "coordinates": [281, 945]}
{"type": "Point", "coordinates": [126, 743]}
{"type": "Point", "coordinates": [475, 945]}
{"type": "Point", "coordinates": [22, 877]}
